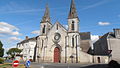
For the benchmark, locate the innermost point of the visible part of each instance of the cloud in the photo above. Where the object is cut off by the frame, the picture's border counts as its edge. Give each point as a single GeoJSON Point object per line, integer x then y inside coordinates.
{"type": "Point", "coordinates": [22, 11]}
{"type": "Point", "coordinates": [95, 5]}
{"type": "Point", "coordinates": [94, 38]}
{"type": "Point", "coordinates": [16, 7]}
{"type": "Point", "coordinates": [103, 23]}
{"type": "Point", "coordinates": [6, 50]}
{"type": "Point", "coordinates": [15, 39]}
{"type": "Point", "coordinates": [66, 26]}
{"type": "Point", "coordinates": [8, 29]}
{"type": "Point", "coordinates": [2, 35]}
{"type": "Point", "coordinates": [36, 32]}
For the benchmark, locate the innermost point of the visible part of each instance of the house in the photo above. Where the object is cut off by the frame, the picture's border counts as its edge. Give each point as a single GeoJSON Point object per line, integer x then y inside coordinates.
{"type": "Point", "coordinates": [28, 47]}
{"type": "Point", "coordinates": [108, 45]}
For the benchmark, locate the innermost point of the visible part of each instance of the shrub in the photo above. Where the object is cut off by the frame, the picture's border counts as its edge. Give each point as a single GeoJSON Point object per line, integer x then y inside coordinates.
{"type": "Point", "coordinates": [113, 64]}
{"type": "Point", "coordinates": [1, 60]}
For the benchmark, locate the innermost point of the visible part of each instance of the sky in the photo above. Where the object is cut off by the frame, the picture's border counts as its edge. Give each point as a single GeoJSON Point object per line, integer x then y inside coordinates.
{"type": "Point", "coordinates": [20, 18]}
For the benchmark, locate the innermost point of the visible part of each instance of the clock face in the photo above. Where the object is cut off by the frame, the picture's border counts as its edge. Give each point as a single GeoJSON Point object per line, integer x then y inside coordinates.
{"type": "Point", "coordinates": [57, 36]}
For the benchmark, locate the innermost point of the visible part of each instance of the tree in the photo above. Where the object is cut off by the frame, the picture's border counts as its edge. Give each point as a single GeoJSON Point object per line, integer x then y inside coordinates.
{"type": "Point", "coordinates": [14, 51]}
{"type": "Point", "coordinates": [1, 49]}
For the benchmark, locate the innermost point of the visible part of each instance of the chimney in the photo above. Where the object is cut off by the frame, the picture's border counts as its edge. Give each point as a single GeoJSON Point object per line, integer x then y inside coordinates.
{"type": "Point", "coordinates": [100, 36]}
{"type": "Point", "coordinates": [117, 33]}
{"type": "Point", "coordinates": [26, 38]}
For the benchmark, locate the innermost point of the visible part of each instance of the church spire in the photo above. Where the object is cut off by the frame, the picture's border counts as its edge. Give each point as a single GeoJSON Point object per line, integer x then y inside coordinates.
{"type": "Point", "coordinates": [72, 13]}
{"type": "Point", "coordinates": [46, 17]}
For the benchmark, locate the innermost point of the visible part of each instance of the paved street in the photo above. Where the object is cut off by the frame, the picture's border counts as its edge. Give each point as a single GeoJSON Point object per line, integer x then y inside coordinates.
{"type": "Point", "coordinates": [58, 65]}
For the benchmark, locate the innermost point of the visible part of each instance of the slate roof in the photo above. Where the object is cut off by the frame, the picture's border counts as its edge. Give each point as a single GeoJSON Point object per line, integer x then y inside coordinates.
{"type": "Point", "coordinates": [72, 13]}
{"type": "Point", "coordinates": [33, 38]}
{"type": "Point", "coordinates": [85, 41]}
{"type": "Point", "coordinates": [100, 46]}
{"type": "Point", "coordinates": [46, 17]}
{"type": "Point", "coordinates": [85, 35]}
{"type": "Point", "coordinates": [85, 45]}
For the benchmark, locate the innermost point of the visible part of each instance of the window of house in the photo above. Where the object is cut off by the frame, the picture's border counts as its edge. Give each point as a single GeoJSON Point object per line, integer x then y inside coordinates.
{"type": "Point", "coordinates": [72, 25]}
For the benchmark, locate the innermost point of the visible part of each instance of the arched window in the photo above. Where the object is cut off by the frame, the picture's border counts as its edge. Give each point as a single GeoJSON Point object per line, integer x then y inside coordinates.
{"type": "Point", "coordinates": [72, 42]}
{"type": "Point", "coordinates": [72, 25]}
{"type": "Point", "coordinates": [42, 43]}
{"type": "Point", "coordinates": [43, 29]}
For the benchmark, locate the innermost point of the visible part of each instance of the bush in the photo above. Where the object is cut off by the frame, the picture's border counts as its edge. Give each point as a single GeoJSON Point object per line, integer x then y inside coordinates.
{"type": "Point", "coordinates": [1, 61]}
{"type": "Point", "coordinates": [113, 64]}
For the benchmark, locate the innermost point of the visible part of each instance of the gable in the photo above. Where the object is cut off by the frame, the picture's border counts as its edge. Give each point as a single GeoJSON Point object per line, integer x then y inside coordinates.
{"type": "Point", "coordinates": [57, 27]}
{"type": "Point", "coordinates": [56, 35]}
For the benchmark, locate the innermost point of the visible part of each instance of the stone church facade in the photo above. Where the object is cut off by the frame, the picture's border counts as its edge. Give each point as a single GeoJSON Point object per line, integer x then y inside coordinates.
{"type": "Point", "coordinates": [60, 45]}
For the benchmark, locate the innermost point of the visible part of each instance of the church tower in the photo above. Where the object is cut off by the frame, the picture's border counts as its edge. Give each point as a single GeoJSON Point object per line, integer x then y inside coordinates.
{"type": "Point", "coordinates": [73, 20]}
{"type": "Point", "coordinates": [45, 23]}
{"type": "Point", "coordinates": [73, 34]}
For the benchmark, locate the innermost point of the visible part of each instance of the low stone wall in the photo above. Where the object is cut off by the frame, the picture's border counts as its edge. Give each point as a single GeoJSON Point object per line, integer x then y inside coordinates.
{"type": "Point", "coordinates": [101, 59]}
{"type": "Point", "coordinates": [85, 58]}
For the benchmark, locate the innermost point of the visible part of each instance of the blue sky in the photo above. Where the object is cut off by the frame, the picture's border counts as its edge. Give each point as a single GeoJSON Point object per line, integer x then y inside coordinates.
{"type": "Point", "coordinates": [20, 18]}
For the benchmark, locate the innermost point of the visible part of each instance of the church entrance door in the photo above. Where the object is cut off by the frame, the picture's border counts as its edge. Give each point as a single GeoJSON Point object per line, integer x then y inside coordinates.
{"type": "Point", "coordinates": [56, 55]}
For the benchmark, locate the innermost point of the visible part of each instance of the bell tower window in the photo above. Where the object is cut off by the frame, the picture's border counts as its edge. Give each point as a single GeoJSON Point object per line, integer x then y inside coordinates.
{"type": "Point", "coordinates": [57, 26]}
{"type": "Point", "coordinates": [72, 25]}
{"type": "Point", "coordinates": [44, 29]}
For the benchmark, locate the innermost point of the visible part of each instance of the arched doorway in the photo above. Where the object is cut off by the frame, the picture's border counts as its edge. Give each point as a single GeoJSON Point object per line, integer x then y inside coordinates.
{"type": "Point", "coordinates": [98, 59]}
{"type": "Point", "coordinates": [56, 55]}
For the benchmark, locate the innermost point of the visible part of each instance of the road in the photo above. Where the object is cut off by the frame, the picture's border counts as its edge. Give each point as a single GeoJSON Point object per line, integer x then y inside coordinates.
{"type": "Point", "coordinates": [62, 65]}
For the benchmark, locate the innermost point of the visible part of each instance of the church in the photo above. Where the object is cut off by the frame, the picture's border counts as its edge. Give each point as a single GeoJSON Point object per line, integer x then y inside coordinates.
{"type": "Point", "coordinates": [56, 44]}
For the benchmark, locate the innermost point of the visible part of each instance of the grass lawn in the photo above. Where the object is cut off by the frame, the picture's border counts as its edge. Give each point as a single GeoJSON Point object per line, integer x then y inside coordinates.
{"type": "Point", "coordinates": [8, 65]}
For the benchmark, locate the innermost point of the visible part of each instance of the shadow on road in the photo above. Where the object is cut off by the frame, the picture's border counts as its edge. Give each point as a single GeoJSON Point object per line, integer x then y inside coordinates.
{"type": "Point", "coordinates": [111, 64]}
{"type": "Point", "coordinates": [96, 66]}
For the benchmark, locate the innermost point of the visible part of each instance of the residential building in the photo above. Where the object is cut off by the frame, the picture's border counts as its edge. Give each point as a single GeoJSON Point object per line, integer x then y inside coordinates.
{"type": "Point", "coordinates": [109, 45]}
{"type": "Point", "coordinates": [28, 47]}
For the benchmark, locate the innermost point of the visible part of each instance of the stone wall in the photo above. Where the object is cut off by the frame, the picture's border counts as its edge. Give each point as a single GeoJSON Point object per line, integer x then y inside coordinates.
{"type": "Point", "coordinates": [85, 58]}
{"type": "Point", "coordinates": [114, 45]}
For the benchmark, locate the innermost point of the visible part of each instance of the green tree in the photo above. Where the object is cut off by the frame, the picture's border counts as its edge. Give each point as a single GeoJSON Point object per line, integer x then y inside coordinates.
{"type": "Point", "coordinates": [14, 51]}
{"type": "Point", "coordinates": [1, 49]}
